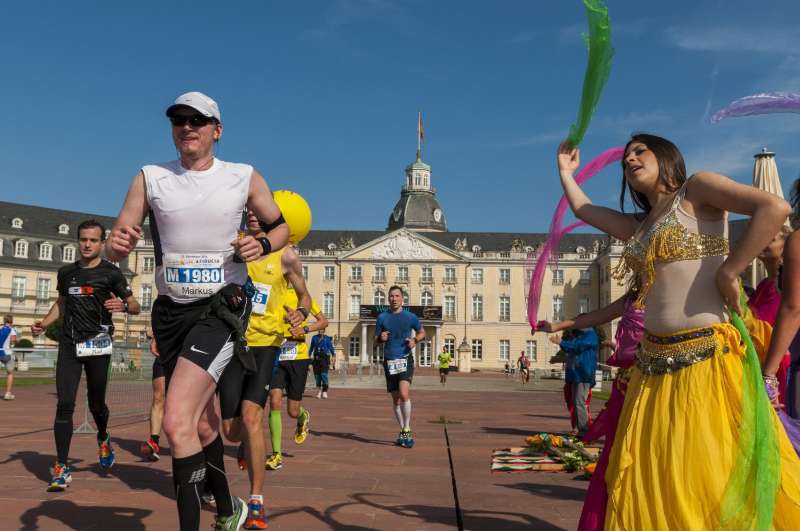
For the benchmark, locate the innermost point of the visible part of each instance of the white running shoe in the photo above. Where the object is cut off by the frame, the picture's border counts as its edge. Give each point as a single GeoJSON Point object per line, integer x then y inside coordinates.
{"type": "Point", "coordinates": [324, 394]}
{"type": "Point", "coordinates": [319, 394]}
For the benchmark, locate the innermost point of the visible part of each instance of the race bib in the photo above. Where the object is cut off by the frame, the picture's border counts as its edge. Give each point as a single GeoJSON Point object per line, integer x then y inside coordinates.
{"type": "Point", "coordinates": [194, 275]}
{"type": "Point", "coordinates": [288, 351]}
{"type": "Point", "coordinates": [99, 345]}
{"type": "Point", "coordinates": [397, 366]}
{"type": "Point", "coordinates": [261, 297]}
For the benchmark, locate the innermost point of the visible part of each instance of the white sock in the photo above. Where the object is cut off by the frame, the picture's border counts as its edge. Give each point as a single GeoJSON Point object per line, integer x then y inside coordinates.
{"type": "Point", "coordinates": [406, 411]}
{"type": "Point", "coordinates": [257, 497]}
{"type": "Point", "coordinates": [398, 413]}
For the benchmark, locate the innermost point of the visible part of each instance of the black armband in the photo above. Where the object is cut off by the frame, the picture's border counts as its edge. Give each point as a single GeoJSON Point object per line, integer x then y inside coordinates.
{"type": "Point", "coordinates": [266, 227]}
{"type": "Point", "coordinates": [266, 247]}
{"type": "Point", "coordinates": [303, 311]}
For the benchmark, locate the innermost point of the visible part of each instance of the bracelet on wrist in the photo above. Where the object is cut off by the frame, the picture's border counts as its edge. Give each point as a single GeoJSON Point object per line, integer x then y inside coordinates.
{"type": "Point", "coordinates": [266, 247]}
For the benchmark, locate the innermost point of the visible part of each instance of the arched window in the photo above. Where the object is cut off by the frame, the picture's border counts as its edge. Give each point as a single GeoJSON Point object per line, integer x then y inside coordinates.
{"type": "Point", "coordinates": [379, 298]}
{"type": "Point", "coordinates": [16, 223]}
{"type": "Point", "coordinates": [63, 228]}
{"type": "Point", "coordinates": [69, 254]}
{"type": "Point", "coordinates": [45, 251]}
{"type": "Point", "coordinates": [21, 249]}
{"type": "Point", "coordinates": [426, 299]}
{"type": "Point", "coordinates": [405, 298]}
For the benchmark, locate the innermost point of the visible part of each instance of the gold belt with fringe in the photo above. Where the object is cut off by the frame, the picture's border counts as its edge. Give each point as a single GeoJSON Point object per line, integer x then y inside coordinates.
{"type": "Point", "coordinates": [665, 354]}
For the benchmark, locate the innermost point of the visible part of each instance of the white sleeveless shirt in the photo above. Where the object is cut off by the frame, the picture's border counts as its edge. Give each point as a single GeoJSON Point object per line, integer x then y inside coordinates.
{"type": "Point", "coordinates": [194, 217]}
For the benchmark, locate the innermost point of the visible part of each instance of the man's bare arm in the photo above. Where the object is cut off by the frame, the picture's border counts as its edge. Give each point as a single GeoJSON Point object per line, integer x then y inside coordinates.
{"type": "Point", "coordinates": [127, 230]}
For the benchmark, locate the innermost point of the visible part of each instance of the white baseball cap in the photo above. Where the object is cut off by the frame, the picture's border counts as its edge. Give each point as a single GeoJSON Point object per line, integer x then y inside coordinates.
{"type": "Point", "coordinates": [197, 101]}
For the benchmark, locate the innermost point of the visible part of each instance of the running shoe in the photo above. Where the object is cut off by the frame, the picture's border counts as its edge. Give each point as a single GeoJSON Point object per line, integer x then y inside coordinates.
{"type": "Point", "coordinates": [256, 518]}
{"type": "Point", "coordinates": [240, 458]}
{"type": "Point", "coordinates": [319, 394]}
{"type": "Point", "coordinates": [301, 432]}
{"type": "Point", "coordinates": [9, 396]}
{"type": "Point", "coordinates": [274, 462]}
{"type": "Point", "coordinates": [235, 521]}
{"type": "Point", "coordinates": [106, 453]}
{"type": "Point", "coordinates": [62, 477]}
{"type": "Point", "coordinates": [149, 450]}
{"type": "Point", "coordinates": [409, 439]}
{"type": "Point", "coordinates": [401, 438]}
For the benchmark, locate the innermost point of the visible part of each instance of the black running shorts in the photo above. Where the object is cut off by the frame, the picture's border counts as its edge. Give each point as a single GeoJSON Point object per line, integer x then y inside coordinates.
{"type": "Point", "coordinates": [237, 385]}
{"type": "Point", "coordinates": [158, 368]}
{"type": "Point", "coordinates": [393, 380]}
{"type": "Point", "coordinates": [180, 332]}
{"type": "Point", "coordinates": [291, 376]}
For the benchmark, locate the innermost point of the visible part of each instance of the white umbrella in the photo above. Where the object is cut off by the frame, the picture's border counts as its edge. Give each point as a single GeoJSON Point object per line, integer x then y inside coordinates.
{"type": "Point", "coordinates": [765, 177]}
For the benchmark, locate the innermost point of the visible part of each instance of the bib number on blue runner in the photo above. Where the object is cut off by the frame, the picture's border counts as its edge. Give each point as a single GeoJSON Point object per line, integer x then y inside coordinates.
{"type": "Point", "coordinates": [397, 366]}
{"type": "Point", "coordinates": [194, 275]}
{"type": "Point", "coordinates": [288, 351]}
{"type": "Point", "coordinates": [99, 345]}
{"type": "Point", "coordinates": [261, 298]}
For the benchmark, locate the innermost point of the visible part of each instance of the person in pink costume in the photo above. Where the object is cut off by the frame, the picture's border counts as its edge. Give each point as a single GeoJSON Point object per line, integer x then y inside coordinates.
{"type": "Point", "coordinates": [626, 343]}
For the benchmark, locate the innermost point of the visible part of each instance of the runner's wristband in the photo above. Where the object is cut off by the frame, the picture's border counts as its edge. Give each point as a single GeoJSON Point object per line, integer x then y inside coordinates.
{"type": "Point", "coordinates": [266, 247]}
{"type": "Point", "coordinates": [303, 311]}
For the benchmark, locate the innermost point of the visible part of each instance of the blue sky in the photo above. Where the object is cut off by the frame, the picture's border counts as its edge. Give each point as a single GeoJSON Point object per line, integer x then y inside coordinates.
{"type": "Point", "coordinates": [322, 96]}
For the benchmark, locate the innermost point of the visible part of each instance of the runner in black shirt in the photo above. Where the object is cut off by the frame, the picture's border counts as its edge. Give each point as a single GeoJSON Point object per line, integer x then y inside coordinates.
{"type": "Point", "coordinates": [87, 294]}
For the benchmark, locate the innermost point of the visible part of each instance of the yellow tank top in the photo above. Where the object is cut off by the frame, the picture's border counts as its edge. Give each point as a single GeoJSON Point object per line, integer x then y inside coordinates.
{"type": "Point", "coordinates": [290, 300]}
{"type": "Point", "coordinates": [266, 320]}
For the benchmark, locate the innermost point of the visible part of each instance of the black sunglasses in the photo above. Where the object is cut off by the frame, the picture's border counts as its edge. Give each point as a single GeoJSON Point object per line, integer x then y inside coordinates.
{"type": "Point", "coordinates": [195, 120]}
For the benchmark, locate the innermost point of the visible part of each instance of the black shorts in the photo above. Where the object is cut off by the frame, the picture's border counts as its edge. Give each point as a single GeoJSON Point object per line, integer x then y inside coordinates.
{"type": "Point", "coordinates": [237, 384]}
{"type": "Point", "coordinates": [180, 332]}
{"type": "Point", "coordinates": [393, 380]}
{"type": "Point", "coordinates": [291, 376]}
{"type": "Point", "coordinates": [158, 368]}
{"type": "Point", "coordinates": [444, 370]}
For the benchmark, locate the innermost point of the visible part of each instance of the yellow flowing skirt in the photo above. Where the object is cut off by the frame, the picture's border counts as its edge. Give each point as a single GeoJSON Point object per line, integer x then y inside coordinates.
{"type": "Point", "coordinates": [676, 444]}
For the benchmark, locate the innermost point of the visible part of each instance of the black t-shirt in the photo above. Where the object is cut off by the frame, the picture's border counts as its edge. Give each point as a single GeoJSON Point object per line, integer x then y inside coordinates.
{"type": "Point", "coordinates": [84, 291]}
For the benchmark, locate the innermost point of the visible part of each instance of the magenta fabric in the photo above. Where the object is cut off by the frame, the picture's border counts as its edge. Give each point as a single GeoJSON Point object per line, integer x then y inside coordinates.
{"type": "Point", "coordinates": [629, 334]}
{"type": "Point", "coordinates": [765, 303]}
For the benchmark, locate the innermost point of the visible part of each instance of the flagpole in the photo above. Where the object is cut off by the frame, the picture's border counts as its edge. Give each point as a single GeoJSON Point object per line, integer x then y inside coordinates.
{"type": "Point", "coordinates": [419, 135]}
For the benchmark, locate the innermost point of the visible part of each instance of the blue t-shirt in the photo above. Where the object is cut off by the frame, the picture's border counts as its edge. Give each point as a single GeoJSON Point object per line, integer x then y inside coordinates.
{"type": "Point", "coordinates": [399, 325]}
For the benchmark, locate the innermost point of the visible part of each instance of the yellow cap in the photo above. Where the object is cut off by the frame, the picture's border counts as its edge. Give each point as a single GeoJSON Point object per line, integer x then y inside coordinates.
{"type": "Point", "coordinates": [296, 212]}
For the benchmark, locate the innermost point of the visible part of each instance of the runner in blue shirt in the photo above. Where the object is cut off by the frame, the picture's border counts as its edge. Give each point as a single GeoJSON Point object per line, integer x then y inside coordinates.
{"type": "Point", "coordinates": [400, 331]}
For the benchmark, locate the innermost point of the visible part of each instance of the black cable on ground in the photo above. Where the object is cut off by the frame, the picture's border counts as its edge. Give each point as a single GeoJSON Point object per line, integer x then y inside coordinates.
{"type": "Point", "coordinates": [459, 516]}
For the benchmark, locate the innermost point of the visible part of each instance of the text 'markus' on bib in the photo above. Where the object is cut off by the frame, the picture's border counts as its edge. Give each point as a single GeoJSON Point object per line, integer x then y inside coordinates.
{"type": "Point", "coordinates": [194, 275]}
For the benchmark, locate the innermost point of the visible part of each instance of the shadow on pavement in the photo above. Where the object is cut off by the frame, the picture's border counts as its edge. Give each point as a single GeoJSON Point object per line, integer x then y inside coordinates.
{"type": "Point", "coordinates": [559, 417]}
{"type": "Point", "coordinates": [558, 492]}
{"type": "Point", "coordinates": [510, 431]}
{"type": "Point", "coordinates": [479, 519]}
{"type": "Point", "coordinates": [351, 437]}
{"type": "Point", "coordinates": [36, 464]}
{"type": "Point", "coordinates": [132, 446]}
{"type": "Point", "coordinates": [79, 517]}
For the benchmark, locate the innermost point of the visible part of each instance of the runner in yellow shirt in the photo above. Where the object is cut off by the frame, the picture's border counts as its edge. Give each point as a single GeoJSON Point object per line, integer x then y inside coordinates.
{"type": "Point", "coordinates": [290, 375]}
{"type": "Point", "coordinates": [444, 366]}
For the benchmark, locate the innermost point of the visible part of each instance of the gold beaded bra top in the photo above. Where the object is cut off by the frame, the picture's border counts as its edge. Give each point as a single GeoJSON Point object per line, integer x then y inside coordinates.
{"type": "Point", "coordinates": [668, 240]}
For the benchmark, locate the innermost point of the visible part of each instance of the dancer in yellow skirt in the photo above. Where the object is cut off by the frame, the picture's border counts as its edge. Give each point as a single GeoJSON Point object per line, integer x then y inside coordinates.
{"type": "Point", "coordinates": [698, 445]}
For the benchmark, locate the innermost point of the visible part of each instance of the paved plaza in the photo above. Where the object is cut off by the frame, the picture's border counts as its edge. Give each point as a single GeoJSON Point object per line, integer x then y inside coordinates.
{"type": "Point", "coordinates": [347, 476]}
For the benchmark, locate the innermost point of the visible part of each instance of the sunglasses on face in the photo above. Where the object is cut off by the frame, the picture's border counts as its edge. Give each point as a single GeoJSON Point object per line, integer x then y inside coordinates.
{"type": "Point", "coordinates": [196, 120]}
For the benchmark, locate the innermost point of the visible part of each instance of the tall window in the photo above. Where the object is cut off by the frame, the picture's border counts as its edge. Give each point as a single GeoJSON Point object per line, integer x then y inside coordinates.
{"type": "Point", "coordinates": [450, 346]}
{"type": "Point", "coordinates": [583, 305]}
{"type": "Point", "coordinates": [379, 299]}
{"type": "Point", "coordinates": [355, 273]}
{"type": "Point", "coordinates": [18, 288]}
{"type": "Point", "coordinates": [69, 254]}
{"type": "Point", "coordinates": [405, 298]}
{"type": "Point", "coordinates": [327, 305]}
{"type": "Point", "coordinates": [427, 274]}
{"type": "Point", "coordinates": [505, 349]}
{"type": "Point", "coordinates": [477, 349]}
{"type": "Point", "coordinates": [558, 277]}
{"type": "Point", "coordinates": [450, 274]}
{"type": "Point", "coordinates": [147, 297]}
{"type": "Point", "coordinates": [528, 275]}
{"type": "Point", "coordinates": [21, 249]}
{"type": "Point", "coordinates": [449, 306]}
{"type": "Point", "coordinates": [46, 251]}
{"type": "Point", "coordinates": [305, 272]}
{"type": "Point", "coordinates": [477, 276]}
{"type": "Point", "coordinates": [586, 276]}
{"type": "Point", "coordinates": [402, 273]}
{"type": "Point", "coordinates": [1, 247]}
{"type": "Point", "coordinates": [354, 350]}
{"type": "Point", "coordinates": [504, 312]}
{"type": "Point", "coordinates": [558, 308]}
{"type": "Point", "coordinates": [477, 307]}
{"type": "Point", "coordinates": [330, 273]}
{"type": "Point", "coordinates": [355, 305]}
{"type": "Point", "coordinates": [505, 276]}
{"type": "Point", "coordinates": [149, 264]}
{"type": "Point", "coordinates": [426, 299]}
{"type": "Point", "coordinates": [380, 274]}
{"type": "Point", "coordinates": [530, 349]}
{"type": "Point", "coordinates": [42, 291]}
